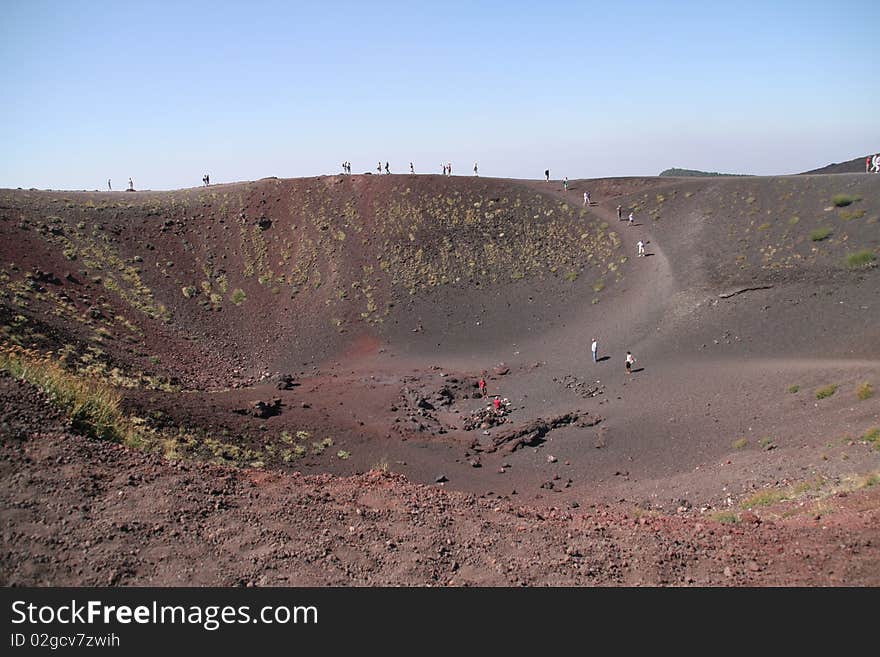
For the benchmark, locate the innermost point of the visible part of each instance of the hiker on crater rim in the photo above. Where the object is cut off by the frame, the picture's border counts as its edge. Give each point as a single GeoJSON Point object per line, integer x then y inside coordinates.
{"type": "Point", "coordinates": [412, 169]}
{"type": "Point", "coordinates": [387, 170]}
{"type": "Point", "coordinates": [449, 166]}
{"type": "Point", "coordinates": [628, 362]}
{"type": "Point", "coordinates": [594, 348]}
{"type": "Point", "coordinates": [109, 188]}
{"type": "Point", "coordinates": [475, 169]}
{"type": "Point", "coordinates": [130, 185]}
{"type": "Point", "coordinates": [565, 184]}
{"type": "Point", "coordinates": [379, 168]}
{"type": "Point", "coordinates": [547, 175]}
{"type": "Point", "coordinates": [587, 200]}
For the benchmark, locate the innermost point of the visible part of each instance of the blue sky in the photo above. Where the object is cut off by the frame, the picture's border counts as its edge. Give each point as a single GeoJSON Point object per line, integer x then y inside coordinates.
{"type": "Point", "coordinates": [165, 92]}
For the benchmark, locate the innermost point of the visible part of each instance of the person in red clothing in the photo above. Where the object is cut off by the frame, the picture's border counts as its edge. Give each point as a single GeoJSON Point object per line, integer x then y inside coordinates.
{"type": "Point", "coordinates": [497, 404]}
{"type": "Point", "coordinates": [483, 384]}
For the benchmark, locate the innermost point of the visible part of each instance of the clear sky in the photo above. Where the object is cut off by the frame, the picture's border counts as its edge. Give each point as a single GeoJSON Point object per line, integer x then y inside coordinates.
{"type": "Point", "coordinates": [167, 91]}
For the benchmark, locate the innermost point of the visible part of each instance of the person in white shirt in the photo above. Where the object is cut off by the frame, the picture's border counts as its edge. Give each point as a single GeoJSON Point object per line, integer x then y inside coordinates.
{"type": "Point", "coordinates": [641, 246]}
{"type": "Point", "coordinates": [586, 198]}
{"type": "Point", "coordinates": [630, 218]}
{"type": "Point", "coordinates": [595, 349]}
{"type": "Point", "coordinates": [629, 362]}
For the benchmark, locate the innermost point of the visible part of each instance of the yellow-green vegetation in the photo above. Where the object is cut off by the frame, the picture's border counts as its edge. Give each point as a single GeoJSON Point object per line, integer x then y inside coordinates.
{"type": "Point", "coordinates": [774, 495]}
{"type": "Point", "coordinates": [860, 258]}
{"type": "Point", "coordinates": [725, 517]}
{"type": "Point", "coordinates": [740, 443]}
{"type": "Point", "coordinates": [820, 234]}
{"type": "Point", "coordinates": [93, 408]}
{"type": "Point", "coordinates": [847, 215]}
{"type": "Point", "coordinates": [767, 443]}
{"type": "Point", "coordinates": [864, 391]}
{"type": "Point", "coordinates": [793, 389]}
{"type": "Point", "coordinates": [872, 436]}
{"type": "Point", "coordinates": [189, 291]}
{"type": "Point", "coordinates": [238, 296]}
{"type": "Point", "coordinates": [842, 200]}
{"type": "Point", "coordinates": [342, 454]}
{"type": "Point", "coordinates": [319, 447]}
{"type": "Point", "coordinates": [827, 391]}
{"type": "Point", "coordinates": [96, 251]}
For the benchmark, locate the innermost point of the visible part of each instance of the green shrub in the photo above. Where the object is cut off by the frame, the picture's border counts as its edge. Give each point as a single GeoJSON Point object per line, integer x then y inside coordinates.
{"type": "Point", "coordinates": [739, 444]}
{"type": "Point", "coordinates": [842, 200]}
{"type": "Point", "coordinates": [860, 258]}
{"type": "Point", "coordinates": [820, 234]}
{"type": "Point", "coordinates": [846, 215]}
{"type": "Point", "coordinates": [865, 391]}
{"type": "Point", "coordinates": [793, 389]}
{"type": "Point", "coordinates": [827, 391]}
{"type": "Point", "coordinates": [238, 296]}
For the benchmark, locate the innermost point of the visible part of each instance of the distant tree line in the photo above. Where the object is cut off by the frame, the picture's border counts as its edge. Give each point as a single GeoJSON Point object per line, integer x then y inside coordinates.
{"type": "Point", "coordinates": [685, 173]}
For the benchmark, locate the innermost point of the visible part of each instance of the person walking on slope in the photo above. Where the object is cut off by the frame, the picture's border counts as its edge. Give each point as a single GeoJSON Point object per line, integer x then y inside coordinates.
{"type": "Point", "coordinates": [482, 385]}
{"type": "Point", "coordinates": [565, 184]}
{"type": "Point", "coordinates": [628, 362]}
{"type": "Point", "coordinates": [594, 348]}
{"type": "Point", "coordinates": [586, 199]}
{"type": "Point", "coordinates": [631, 219]}
{"type": "Point", "coordinates": [641, 246]}
{"type": "Point", "coordinates": [547, 175]}
{"type": "Point", "coordinates": [619, 209]}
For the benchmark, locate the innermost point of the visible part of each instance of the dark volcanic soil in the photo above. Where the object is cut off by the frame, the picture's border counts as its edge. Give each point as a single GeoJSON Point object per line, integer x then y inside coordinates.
{"type": "Point", "coordinates": [79, 512]}
{"type": "Point", "coordinates": [383, 300]}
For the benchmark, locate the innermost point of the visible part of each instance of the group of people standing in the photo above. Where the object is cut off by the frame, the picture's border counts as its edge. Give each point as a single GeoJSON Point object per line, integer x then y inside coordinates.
{"type": "Point", "coordinates": [446, 168]}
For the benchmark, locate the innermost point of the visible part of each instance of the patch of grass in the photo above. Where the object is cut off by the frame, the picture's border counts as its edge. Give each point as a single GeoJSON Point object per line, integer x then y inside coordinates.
{"type": "Point", "coordinates": [238, 296]}
{"type": "Point", "coordinates": [827, 391]}
{"type": "Point", "coordinates": [767, 443]}
{"type": "Point", "coordinates": [860, 258]}
{"type": "Point", "coordinates": [793, 220]}
{"type": "Point", "coordinates": [847, 215]}
{"type": "Point", "coordinates": [189, 291]}
{"type": "Point", "coordinates": [793, 389]}
{"type": "Point", "coordinates": [820, 234]}
{"type": "Point", "coordinates": [571, 276]}
{"type": "Point", "coordinates": [764, 498]}
{"type": "Point", "coordinates": [725, 517]}
{"type": "Point", "coordinates": [842, 200]}
{"type": "Point", "coordinates": [739, 444]}
{"type": "Point", "coordinates": [342, 454]}
{"type": "Point", "coordinates": [864, 391]}
{"type": "Point", "coordinates": [93, 408]}
{"type": "Point", "coordinates": [872, 436]}
{"type": "Point", "coordinates": [318, 448]}
{"type": "Point", "coordinates": [764, 226]}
